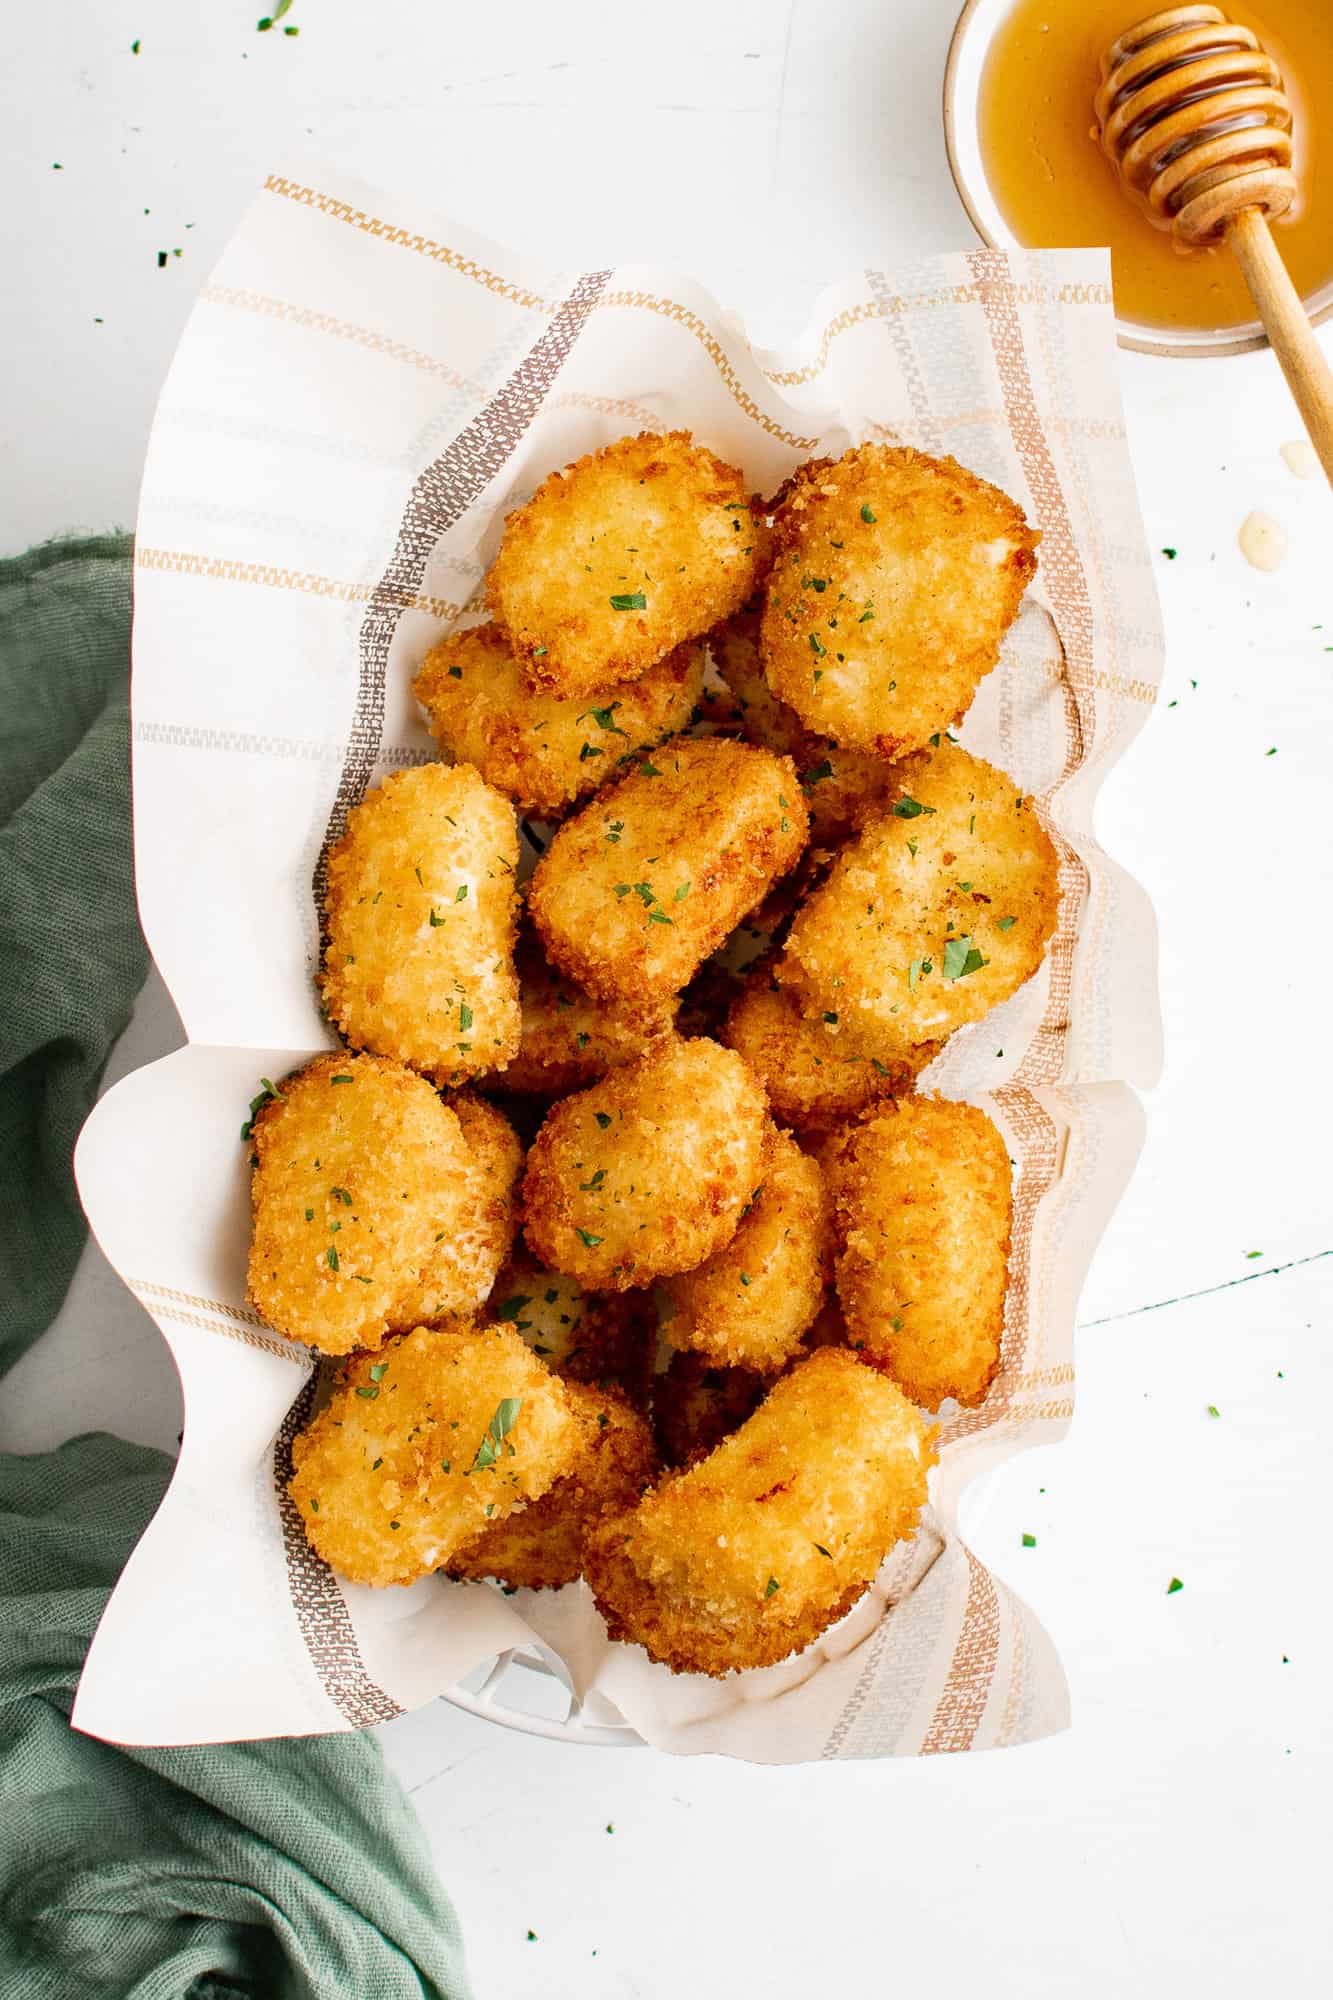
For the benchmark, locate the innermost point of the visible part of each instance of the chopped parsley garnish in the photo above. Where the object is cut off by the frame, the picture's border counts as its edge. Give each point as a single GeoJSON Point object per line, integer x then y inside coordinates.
{"type": "Point", "coordinates": [464, 1016]}
{"type": "Point", "coordinates": [268, 1094]}
{"type": "Point", "coordinates": [630, 600]}
{"type": "Point", "coordinates": [460, 893]}
{"type": "Point", "coordinates": [823, 1551]}
{"type": "Point", "coordinates": [906, 808]}
{"type": "Point", "coordinates": [746, 1279]}
{"type": "Point", "coordinates": [961, 957]}
{"type": "Point", "coordinates": [331, 1257]}
{"type": "Point", "coordinates": [817, 774]}
{"type": "Point", "coordinates": [589, 750]}
{"type": "Point", "coordinates": [866, 514]}
{"type": "Point", "coordinates": [918, 970]}
{"type": "Point", "coordinates": [1005, 923]}
{"type": "Point", "coordinates": [435, 922]}
{"type": "Point", "coordinates": [771, 1586]}
{"type": "Point", "coordinates": [587, 1239]}
{"type": "Point", "coordinates": [603, 1119]}
{"type": "Point", "coordinates": [681, 893]}
{"type": "Point", "coordinates": [342, 1079]}
{"type": "Point", "coordinates": [832, 1020]}
{"type": "Point", "coordinates": [589, 1187]}
{"type": "Point", "coordinates": [511, 1308]}
{"type": "Point", "coordinates": [603, 718]}
{"type": "Point", "coordinates": [817, 647]}
{"type": "Point", "coordinates": [649, 770]}
{"type": "Point", "coordinates": [379, 1371]}
{"type": "Point", "coordinates": [498, 1429]}
{"type": "Point", "coordinates": [455, 673]}
{"type": "Point", "coordinates": [367, 1395]}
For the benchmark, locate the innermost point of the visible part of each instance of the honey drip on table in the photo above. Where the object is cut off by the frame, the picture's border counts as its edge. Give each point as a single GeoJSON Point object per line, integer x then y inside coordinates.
{"type": "Point", "coordinates": [1056, 188]}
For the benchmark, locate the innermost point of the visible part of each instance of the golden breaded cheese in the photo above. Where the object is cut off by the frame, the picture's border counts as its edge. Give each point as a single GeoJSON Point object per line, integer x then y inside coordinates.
{"type": "Point", "coordinates": [816, 1071]}
{"type": "Point", "coordinates": [940, 909]}
{"type": "Point", "coordinates": [541, 750]}
{"type": "Point", "coordinates": [840, 787]}
{"type": "Point", "coordinates": [566, 1037]}
{"type": "Point", "coordinates": [761, 1546]}
{"type": "Point", "coordinates": [924, 1210]}
{"type": "Point", "coordinates": [750, 1303]}
{"type": "Point", "coordinates": [419, 1448]}
{"type": "Point", "coordinates": [360, 1170]}
{"type": "Point", "coordinates": [591, 1337]}
{"type": "Point", "coordinates": [646, 1172]}
{"type": "Point", "coordinates": [464, 1263]}
{"type": "Point", "coordinates": [622, 556]}
{"type": "Point", "coordinates": [895, 577]}
{"type": "Point", "coordinates": [421, 919]}
{"type": "Point", "coordinates": [541, 1547]}
{"type": "Point", "coordinates": [640, 886]}
{"type": "Point", "coordinates": [696, 1405]}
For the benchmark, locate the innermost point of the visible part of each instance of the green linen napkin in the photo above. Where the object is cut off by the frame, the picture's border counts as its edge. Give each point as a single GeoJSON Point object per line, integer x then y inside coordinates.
{"type": "Point", "coordinates": [283, 1869]}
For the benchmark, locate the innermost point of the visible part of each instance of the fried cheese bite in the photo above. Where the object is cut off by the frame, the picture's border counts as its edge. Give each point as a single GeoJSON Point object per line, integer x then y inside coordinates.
{"type": "Point", "coordinates": [463, 1266]}
{"type": "Point", "coordinates": [924, 1209]}
{"type": "Point", "coordinates": [750, 1303]}
{"type": "Point", "coordinates": [621, 557]}
{"type": "Point", "coordinates": [758, 1548]}
{"type": "Point", "coordinates": [647, 1172]}
{"type": "Point", "coordinates": [422, 911]}
{"type": "Point", "coordinates": [839, 786]}
{"type": "Point", "coordinates": [566, 1038]}
{"type": "Point", "coordinates": [362, 1179]}
{"type": "Point", "coordinates": [591, 1337]}
{"type": "Point", "coordinates": [816, 1070]}
{"type": "Point", "coordinates": [696, 1405]}
{"type": "Point", "coordinates": [541, 1546]}
{"type": "Point", "coordinates": [541, 750]}
{"type": "Point", "coordinates": [894, 579]}
{"type": "Point", "coordinates": [941, 908]}
{"type": "Point", "coordinates": [417, 1450]}
{"type": "Point", "coordinates": [639, 887]}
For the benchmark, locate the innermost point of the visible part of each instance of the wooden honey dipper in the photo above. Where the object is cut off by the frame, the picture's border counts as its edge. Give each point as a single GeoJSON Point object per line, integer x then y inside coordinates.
{"type": "Point", "coordinates": [1195, 118]}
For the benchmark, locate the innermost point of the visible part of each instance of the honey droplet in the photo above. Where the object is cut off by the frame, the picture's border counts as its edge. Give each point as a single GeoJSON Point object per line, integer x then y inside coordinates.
{"type": "Point", "coordinates": [1300, 458]}
{"type": "Point", "coordinates": [1263, 541]}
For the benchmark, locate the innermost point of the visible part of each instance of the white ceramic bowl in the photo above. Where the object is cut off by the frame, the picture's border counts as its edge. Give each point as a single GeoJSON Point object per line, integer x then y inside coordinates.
{"type": "Point", "coordinates": [962, 84]}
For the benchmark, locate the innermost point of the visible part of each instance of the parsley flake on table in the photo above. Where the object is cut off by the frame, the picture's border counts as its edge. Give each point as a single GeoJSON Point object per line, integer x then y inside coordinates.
{"type": "Point", "coordinates": [1029, 1541]}
{"type": "Point", "coordinates": [1170, 554]}
{"type": "Point", "coordinates": [1250, 1255]}
{"type": "Point", "coordinates": [1174, 1585]}
{"type": "Point", "coordinates": [1213, 1410]}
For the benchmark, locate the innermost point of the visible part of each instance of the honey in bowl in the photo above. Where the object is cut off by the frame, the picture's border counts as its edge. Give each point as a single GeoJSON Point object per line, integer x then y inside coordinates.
{"type": "Point", "coordinates": [1055, 187]}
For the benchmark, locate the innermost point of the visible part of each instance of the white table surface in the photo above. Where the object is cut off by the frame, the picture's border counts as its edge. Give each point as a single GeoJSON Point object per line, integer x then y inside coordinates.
{"type": "Point", "coordinates": [1178, 1837]}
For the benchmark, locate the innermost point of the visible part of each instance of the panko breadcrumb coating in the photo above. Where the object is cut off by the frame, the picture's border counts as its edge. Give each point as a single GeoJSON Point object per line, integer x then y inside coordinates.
{"type": "Point", "coordinates": [940, 909]}
{"type": "Point", "coordinates": [591, 1337]}
{"type": "Point", "coordinates": [696, 1405]}
{"type": "Point", "coordinates": [924, 1210]}
{"type": "Point", "coordinates": [361, 1172]}
{"type": "Point", "coordinates": [839, 786]}
{"type": "Point", "coordinates": [544, 751]}
{"type": "Point", "coordinates": [750, 1303]}
{"type": "Point", "coordinates": [816, 1071]}
{"type": "Point", "coordinates": [463, 1265]}
{"type": "Point", "coordinates": [646, 1172]}
{"type": "Point", "coordinates": [568, 1039]}
{"type": "Point", "coordinates": [541, 1546]}
{"type": "Point", "coordinates": [421, 917]}
{"type": "Point", "coordinates": [639, 887]}
{"type": "Point", "coordinates": [418, 1449]}
{"type": "Point", "coordinates": [894, 579]}
{"type": "Point", "coordinates": [760, 1547]}
{"type": "Point", "coordinates": [621, 557]}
